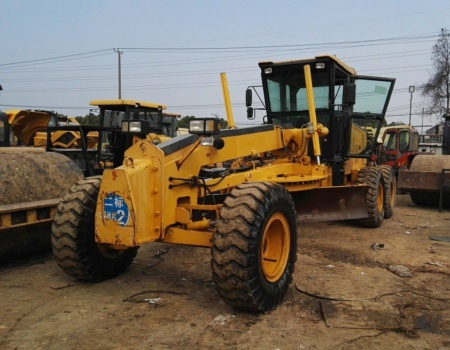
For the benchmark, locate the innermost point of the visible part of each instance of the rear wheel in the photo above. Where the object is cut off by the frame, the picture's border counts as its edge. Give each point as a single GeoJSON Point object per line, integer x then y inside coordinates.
{"type": "Point", "coordinates": [373, 177]}
{"type": "Point", "coordinates": [424, 198]}
{"type": "Point", "coordinates": [73, 237]}
{"type": "Point", "coordinates": [390, 190]}
{"type": "Point", "coordinates": [254, 246]}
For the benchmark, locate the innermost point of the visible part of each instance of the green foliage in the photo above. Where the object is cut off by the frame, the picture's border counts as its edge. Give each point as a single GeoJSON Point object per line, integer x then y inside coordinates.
{"type": "Point", "coordinates": [89, 119]}
{"type": "Point", "coordinates": [223, 123]}
{"type": "Point", "coordinates": [184, 122]}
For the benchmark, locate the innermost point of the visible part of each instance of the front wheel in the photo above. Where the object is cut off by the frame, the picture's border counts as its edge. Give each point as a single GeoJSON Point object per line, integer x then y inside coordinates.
{"type": "Point", "coordinates": [73, 237]}
{"type": "Point", "coordinates": [375, 199]}
{"type": "Point", "coordinates": [254, 246]}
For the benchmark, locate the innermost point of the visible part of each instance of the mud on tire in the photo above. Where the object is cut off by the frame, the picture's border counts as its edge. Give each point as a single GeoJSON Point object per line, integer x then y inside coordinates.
{"type": "Point", "coordinates": [73, 240]}
{"type": "Point", "coordinates": [373, 177]}
{"type": "Point", "coordinates": [254, 246]}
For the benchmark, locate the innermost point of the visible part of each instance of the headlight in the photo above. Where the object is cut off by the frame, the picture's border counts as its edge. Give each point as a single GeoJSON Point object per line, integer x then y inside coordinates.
{"type": "Point", "coordinates": [204, 126]}
{"type": "Point", "coordinates": [135, 126]}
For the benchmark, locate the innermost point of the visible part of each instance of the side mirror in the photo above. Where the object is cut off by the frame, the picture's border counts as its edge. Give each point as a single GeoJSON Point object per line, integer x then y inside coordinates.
{"type": "Point", "coordinates": [349, 95]}
{"type": "Point", "coordinates": [250, 114]}
{"type": "Point", "coordinates": [248, 97]}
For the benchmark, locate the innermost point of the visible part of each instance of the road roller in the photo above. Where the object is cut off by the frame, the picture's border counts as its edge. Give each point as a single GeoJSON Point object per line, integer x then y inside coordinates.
{"type": "Point", "coordinates": [33, 182]}
{"type": "Point", "coordinates": [428, 179]}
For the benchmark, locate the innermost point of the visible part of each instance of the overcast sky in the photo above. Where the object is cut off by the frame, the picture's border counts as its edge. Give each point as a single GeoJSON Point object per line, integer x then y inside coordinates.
{"type": "Point", "coordinates": [59, 55]}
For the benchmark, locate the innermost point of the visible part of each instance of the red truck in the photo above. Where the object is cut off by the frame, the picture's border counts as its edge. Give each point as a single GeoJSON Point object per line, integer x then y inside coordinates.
{"type": "Point", "coordinates": [400, 146]}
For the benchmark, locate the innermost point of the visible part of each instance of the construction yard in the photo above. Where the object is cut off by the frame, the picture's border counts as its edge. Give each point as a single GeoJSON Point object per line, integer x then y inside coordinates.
{"type": "Point", "coordinates": [346, 294]}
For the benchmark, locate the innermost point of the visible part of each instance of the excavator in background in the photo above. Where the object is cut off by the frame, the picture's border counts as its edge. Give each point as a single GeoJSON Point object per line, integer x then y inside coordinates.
{"type": "Point", "coordinates": [242, 192]}
{"type": "Point", "coordinates": [52, 153]}
{"type": "Point", "coordinates": [428, 179]}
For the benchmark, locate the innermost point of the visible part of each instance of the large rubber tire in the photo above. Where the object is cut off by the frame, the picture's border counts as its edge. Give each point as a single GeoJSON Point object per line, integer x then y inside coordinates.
{"type": "Point", "coordinates": [254, 246]}
{"type": "Point", "coordinates": [73, 239]}
{"type": "Point", "coordinates": [373, 177]}
{"type": "Point", "coordinates": [390, 190]}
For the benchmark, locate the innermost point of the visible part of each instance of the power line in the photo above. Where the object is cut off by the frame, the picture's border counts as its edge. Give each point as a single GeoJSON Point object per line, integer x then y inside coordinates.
{"type": "Point", "coordinates": [343, 44]}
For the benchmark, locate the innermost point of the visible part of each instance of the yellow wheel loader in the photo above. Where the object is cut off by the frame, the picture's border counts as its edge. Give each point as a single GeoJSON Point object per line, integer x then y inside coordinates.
{"type": "Point", "coordinates": [242, 192]}
{"type": "Point", "coordinates": [34, 181]}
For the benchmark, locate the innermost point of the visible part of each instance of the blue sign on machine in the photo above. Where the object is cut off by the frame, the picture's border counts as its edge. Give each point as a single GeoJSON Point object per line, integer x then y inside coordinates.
{"type": "Point", "coordinates": [115, 208]}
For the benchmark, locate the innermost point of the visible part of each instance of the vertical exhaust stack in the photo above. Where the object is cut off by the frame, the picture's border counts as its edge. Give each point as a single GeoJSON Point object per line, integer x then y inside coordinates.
{"type": "Point", "coordinates": [227, 101]}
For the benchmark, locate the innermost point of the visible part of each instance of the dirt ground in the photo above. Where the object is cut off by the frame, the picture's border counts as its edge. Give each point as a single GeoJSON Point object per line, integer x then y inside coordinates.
{"type": "Point", "coordinates": [344, 296]}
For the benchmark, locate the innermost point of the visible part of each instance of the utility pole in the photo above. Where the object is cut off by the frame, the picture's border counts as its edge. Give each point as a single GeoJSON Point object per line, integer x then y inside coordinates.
{"type": "Point", "coordinates": [120, 73]}
{"type": "Point", "coordinates": [423, 113]}
{"type": "Point", "coordinates": [412, 88]}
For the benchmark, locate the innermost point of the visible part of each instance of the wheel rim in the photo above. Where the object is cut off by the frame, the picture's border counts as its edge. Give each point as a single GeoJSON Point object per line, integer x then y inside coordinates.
{"type": "Point", "coordinates": [380, 196]}
{"type": "Point", "coordinates": [275, 247]}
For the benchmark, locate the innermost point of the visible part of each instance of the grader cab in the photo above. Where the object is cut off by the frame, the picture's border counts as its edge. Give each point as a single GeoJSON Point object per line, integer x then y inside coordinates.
{"type": "Point", "coordinates": [241, 192]}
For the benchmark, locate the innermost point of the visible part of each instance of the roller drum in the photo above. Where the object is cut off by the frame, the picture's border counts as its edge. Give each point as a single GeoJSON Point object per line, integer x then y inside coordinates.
{"type": "Point", "coordinates": [31, 178]}
{"type": "Point", "coordinates": [428, 170]}
{"type": "Point", "coordinates": [28, 176]}
{"type": "Point", "coordinates": [430, 163]}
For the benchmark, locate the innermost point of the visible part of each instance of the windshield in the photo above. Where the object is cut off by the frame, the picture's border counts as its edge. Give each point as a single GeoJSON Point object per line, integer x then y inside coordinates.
{"type": "Point", "coordinates": [372, 98]}
{"type": "Point", "coordinates": [372, 95]}
{"type": "Point", "coordinates": [113, 118]}
{"type": "Point", "coordinates": [287, 91]}
{"type": "Point", "coordinates": [390, 141]}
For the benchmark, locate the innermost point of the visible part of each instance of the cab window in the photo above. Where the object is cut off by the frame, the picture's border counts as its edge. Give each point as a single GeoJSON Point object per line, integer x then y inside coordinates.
{"type": "Point", "coordinates": [404, 141]}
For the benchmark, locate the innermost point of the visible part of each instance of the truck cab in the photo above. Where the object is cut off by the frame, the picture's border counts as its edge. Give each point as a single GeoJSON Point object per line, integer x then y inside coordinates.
{"type": "Point", "coordinates": [400, 146]}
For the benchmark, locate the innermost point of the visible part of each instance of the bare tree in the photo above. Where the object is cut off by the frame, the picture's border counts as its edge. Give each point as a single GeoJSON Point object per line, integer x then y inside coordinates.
{"type": "Point", "coordinates": [438, 86]}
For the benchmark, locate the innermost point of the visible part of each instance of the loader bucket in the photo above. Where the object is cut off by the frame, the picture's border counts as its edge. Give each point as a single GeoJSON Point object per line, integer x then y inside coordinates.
{"type": "Point", "coordinates": [332, 203]}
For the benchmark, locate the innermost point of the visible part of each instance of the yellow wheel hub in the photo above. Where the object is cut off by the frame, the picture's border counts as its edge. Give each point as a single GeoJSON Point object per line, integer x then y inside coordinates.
{"type": "Point", "coordinates": [380, 196]}
{"type": "Point", "coordinates": [275, 247]}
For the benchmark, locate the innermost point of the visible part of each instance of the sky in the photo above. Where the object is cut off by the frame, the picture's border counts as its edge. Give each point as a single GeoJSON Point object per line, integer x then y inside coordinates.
{"type": "Point", "coordinates": [61, 54]}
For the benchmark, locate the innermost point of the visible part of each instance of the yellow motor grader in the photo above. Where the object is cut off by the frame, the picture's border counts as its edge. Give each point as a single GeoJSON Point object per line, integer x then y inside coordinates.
{"type": "Point", "coordinates": [242, 192]}
{"type": "Point", "coordinates": [55, 153]}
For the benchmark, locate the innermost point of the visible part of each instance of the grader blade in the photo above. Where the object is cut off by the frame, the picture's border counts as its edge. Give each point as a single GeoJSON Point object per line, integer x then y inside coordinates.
{"type": "Point", "coordinates": [331, 203]}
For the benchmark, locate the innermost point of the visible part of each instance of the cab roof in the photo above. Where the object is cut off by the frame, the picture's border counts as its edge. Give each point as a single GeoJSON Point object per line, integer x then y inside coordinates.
{"type": "Point", "coordinates": [131, 103]}
{"type": "Point", "coordinates": [340, 63]}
